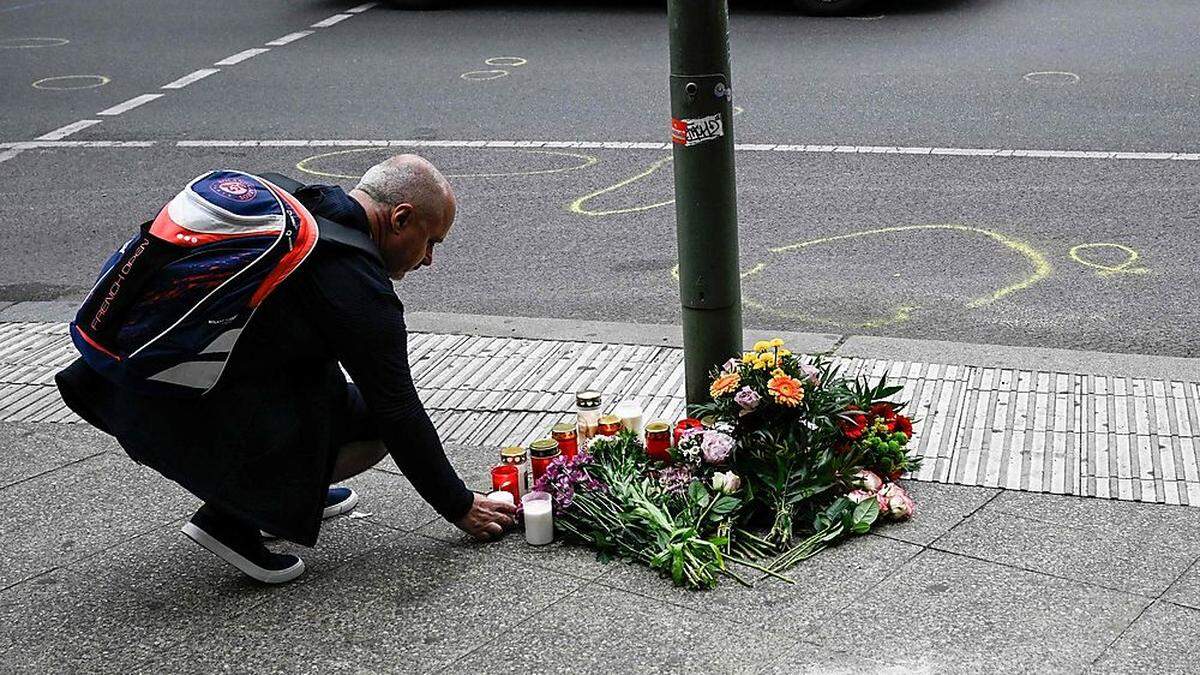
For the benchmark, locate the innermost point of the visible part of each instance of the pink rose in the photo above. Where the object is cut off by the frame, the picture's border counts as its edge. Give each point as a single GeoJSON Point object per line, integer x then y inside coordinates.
{"type": "Point", "coordinates": [896, 502]}
{"type": "Point", "coordinates": [811, 372]}
{"type": "Point", "coordinates": [860, 496]}
{"type": "Point", "coordinates": [867, 480]}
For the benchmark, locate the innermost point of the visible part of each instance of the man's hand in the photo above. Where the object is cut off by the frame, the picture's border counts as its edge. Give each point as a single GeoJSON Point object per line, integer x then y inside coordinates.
{"type": "Point", "coordinates": [487, 519]}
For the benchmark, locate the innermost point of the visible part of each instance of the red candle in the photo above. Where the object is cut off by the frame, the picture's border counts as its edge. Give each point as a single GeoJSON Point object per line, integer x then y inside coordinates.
{"type": "Point", "coordinates": [568, 439]}
{"type": "Point", "coordinates": [507, 477]}
{"type": "Point", "coordinates": [658, 441]}
{"type": "Point", "coordinates": [541, 453]}
{"type": "Point", "coordinates": [685, 424]}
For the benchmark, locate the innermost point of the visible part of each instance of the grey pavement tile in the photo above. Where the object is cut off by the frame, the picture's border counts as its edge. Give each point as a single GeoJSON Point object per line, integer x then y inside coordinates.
{"type": "Point", "coordinates": [1138, 548]}
{"type": "Point", "coordinates": [30, 449]}
{"type": "Point", "coordinates": [940, 507]}
{"type": "Point", "coordinates": [79, 621]}
{"type": "Point", "coordinates": [602, 630]}
{"type": "Point", "coordinates": [68, 514]}
{"type": "Point", "coordinates": [1164, 639]}
{"type": "Point", "coordinates": [948, 613]}
{"type": "Point", "coordinates": [412, 605]}
{"type": "Point", "coordinates": [1186, 590]}
{"type": "Point", "coordinates": [559, 556]}
{"type": "Point", "coordinates": [817, 658]}
{"type": "Point", "coordinates": [824, 584]}
{"type": "Point", "coordinates": [388, 499]}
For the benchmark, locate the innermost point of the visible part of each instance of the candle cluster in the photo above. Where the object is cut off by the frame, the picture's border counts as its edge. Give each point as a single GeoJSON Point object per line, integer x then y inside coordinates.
{"type": "Point", "coordinates": [512, 480]}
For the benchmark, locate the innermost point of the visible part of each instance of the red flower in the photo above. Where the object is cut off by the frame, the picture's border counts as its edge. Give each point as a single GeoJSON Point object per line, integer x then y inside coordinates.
{"type": "Point", "coordinates": [884, 412]}
{"type": "Point", "coordinates": [853, 422]}
{"type": "Point", "coordinates": [904, 424]}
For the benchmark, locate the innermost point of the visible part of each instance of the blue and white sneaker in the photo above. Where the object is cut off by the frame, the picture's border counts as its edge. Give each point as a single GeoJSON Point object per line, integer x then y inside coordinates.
{"type": "Point", "coordinates": [338, 500]}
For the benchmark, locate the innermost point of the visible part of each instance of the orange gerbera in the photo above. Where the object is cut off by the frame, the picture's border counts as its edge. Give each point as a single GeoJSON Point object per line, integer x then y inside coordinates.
{"type": "Point", "coordinates": [725, 384]}
{"type": "Point", "coordinates": [786, 390]}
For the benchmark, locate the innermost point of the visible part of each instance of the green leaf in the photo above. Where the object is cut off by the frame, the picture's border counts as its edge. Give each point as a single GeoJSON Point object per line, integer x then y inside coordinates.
{"type": "Point", "coordinates": [697, 493]}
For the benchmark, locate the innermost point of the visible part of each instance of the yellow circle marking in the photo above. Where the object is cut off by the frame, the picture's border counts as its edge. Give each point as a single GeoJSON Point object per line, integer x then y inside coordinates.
{"type": "Point", "coordinates": [62, 83]}
{"type": "Point", "coordinates": [510, 61]}
{"type": "Point", "coordinates": [305, 164]}
{"type": "Point", "coordinates": [483, 75]}
{"type": "Point", "coordinates": [1041, 269]}
{"type": "Point", "coordinates": [32, 42]}
{"type": "Point", "coordinates": [577, 206]}
{"type": "Point", "coordinates": [1131, 257]}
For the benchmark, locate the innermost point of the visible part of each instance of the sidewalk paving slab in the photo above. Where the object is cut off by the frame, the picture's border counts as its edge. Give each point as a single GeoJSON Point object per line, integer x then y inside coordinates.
{"type": "Point", "coordinates": [947, 613]}
{"type": "Point", "coordinates": [410, 605]}
{"type": "Point", "coordinates": [823, 585]}
{"type": "Point", "coordinates": [80, 510]}
{"type": "Point", "coordinates": [603, 630]}
{"type": "Point", "coordinates": [1186, 589]}
{"type": "Point", "coordinates": [1164, 639]}
{"type": "Point", "coordinates": [1113, 544]}
{"type": "Point", "coordinates": [940, 508]}
{"type": "Point", "coordinates": [27, 450]}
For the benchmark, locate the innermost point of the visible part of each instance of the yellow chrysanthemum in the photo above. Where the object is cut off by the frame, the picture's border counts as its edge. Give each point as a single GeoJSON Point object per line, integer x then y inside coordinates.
{"type": "Point", "coordinates": [782, 353]}
{"type": "Point", "coordinates": [786, 390]}
{"type": "Point", "coordinates": [749, 358]}
{"type": "Point", "coordinates": [776, 342]}
{"type": "Point", "coordinates": [762, 346]}
{"type": "Point", "coordinates": [725, 384]}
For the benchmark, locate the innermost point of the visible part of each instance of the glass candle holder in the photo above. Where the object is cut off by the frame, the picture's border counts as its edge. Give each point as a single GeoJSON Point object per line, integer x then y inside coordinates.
{"type": "Point", "coordinates": [538, 512]}
{"type": "Point", "coordinates": [507, 478]}
{"type": "Point", "coordinates": [685, 424]}
{"type": "Point", "coordinates": [610, 425]}
{"type": "Point", "coordinates": [541, 453]}
{"type": "Point", "coordinates": [567, 438]}
{"type": "Point", "coordinates": [658, 441]}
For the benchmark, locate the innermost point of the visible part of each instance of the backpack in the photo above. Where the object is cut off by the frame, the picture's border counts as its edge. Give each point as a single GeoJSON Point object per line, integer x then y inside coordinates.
{"type": "Point", "coordinates": [169, 305]}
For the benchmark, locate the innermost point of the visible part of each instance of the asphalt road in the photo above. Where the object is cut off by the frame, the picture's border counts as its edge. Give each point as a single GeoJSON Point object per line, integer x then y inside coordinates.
{"type": "Point", "coordinates": [999, 250]}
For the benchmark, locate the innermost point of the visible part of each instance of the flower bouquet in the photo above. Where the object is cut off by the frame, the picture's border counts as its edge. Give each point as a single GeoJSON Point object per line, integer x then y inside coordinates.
{"type": "Point", "coordinates": [791, 458]}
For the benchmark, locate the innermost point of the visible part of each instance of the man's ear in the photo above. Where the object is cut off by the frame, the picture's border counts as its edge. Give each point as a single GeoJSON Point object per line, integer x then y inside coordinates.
{"type": "Point", "coordinates": [400, 215]}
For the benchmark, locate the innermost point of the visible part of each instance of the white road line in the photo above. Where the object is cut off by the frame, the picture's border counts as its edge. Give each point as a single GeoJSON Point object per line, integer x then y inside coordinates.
{"type": "Point", "coordinates": [326, 23]}
{"type": "Point", "coordinates": [623, 145]}
{"type": "Point", "coordinates": [741, 147]}
{"type": "Point", "coordinates": [241, 56]}
{"type": "Point", "coordinates": [290, 37]}
{"type": "Point", "coordinates": [190, 78]}
{"type": "Point", "coordinates": [129, 105]}
{"type": "Point", "coordinates": [62, 132]}
{"type": "Point", "coordinates": [9, 154]}
{"type": "Point", "coordinates": [362, 8]}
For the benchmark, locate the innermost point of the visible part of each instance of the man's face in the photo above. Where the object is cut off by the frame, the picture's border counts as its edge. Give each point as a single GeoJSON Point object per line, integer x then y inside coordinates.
{"type": "Point", "coordinates": [412, 236]}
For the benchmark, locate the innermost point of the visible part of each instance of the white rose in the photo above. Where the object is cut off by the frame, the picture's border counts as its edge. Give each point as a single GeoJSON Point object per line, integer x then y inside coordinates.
{"type": "Point", "coordinates": [726, 482]}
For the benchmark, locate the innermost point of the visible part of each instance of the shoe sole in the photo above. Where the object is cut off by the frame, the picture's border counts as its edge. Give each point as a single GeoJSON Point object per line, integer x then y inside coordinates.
{"type": "Point", "coordinates": [345, 506]}
{"type": "Point", "coordinates": [214, 546]}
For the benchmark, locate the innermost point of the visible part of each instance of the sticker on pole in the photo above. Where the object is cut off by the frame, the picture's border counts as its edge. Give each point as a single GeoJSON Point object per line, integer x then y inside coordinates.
{"type": "Point", "coordinates": [697, 131]}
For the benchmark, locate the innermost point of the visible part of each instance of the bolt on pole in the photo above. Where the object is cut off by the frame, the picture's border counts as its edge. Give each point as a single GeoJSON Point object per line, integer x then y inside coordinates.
{"type": "Point", "coordinates": [705, 193]}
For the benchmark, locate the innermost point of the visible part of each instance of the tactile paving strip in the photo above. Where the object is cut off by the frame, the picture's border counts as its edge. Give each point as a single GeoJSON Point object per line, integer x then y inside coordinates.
{"type": "Point", "coordinates": [1092, 435]}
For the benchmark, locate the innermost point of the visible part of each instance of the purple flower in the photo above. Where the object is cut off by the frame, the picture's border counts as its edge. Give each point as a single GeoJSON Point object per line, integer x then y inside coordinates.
{"type": "Point", "coordinates": [747, 399]}
{"type": "Point", "coordinates": [563, 477]}
{"type": "Point", "coordinates": [717, 447]}
{"type": "Point", "coordinates": [675, 479]}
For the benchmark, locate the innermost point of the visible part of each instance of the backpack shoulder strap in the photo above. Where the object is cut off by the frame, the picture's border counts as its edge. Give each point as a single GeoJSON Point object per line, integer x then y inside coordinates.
{"type": "Point", "coordinates": [330, 230]}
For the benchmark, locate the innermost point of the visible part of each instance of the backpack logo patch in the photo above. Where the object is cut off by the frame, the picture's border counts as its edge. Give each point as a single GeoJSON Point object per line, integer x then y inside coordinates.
{"type": "Point", "coordinates": [237, 189]}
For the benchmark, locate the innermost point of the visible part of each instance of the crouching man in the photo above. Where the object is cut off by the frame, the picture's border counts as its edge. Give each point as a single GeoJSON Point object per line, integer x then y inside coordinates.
{"type": "Point", "coordinates": [280, 424]}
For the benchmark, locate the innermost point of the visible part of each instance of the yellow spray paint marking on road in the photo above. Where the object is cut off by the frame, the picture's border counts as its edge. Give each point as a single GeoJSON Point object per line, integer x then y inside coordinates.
{"type": "Point", "coordinates": [1041, 270]}
{"type": "Point", "coordinates": [71, 82]}
{"type": "Point", "coordinates": [1041, 266]}
{"type": "Point", "coordinates": [1131, 257]}
{"type": "Point", "coordinates": [577, 206]}
{"type": "Point", "coordinates": [305, 164]}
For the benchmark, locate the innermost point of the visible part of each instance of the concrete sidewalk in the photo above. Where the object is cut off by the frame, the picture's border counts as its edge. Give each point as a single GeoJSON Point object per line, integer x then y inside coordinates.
{"type": "Point", "coordinates": [94, 575]}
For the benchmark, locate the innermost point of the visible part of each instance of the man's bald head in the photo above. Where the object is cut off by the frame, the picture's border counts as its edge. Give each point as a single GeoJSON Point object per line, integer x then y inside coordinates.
{"type": "Point", "coordinates": [410, 207]}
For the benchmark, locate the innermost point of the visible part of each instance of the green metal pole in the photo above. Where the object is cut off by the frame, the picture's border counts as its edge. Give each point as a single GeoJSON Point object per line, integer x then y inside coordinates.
{"type": "Point", "coordinates": [705, 194]}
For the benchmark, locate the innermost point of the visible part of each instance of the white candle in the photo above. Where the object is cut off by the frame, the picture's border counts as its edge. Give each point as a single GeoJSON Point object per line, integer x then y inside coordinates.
{"type": "Point", "coordinates": [630, 413]}
{"type": "Point", "coordinates": [502, 496]}
{"type": "Point", "coordinates": [539, 521]}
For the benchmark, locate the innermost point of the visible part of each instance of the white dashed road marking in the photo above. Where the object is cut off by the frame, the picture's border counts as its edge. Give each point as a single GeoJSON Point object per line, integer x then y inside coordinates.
{"type": "Point", "coordinates": [361, 8]}
{"type": "Point", "coordinates": [326, 23]}
{"type": "Point", "coordinates": [190, 78]}
{"type": "Point", "coordinates": [241, 56]}
{"type": "Point", "coordinates": [129, 105]}
{"type": "Point", "coordinates": [290, 37]}
{"type": "Point", "coordinates": [62, 132]}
